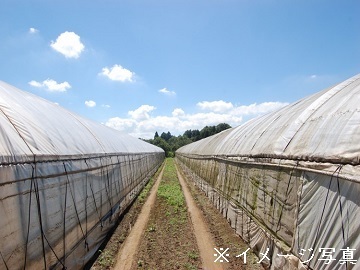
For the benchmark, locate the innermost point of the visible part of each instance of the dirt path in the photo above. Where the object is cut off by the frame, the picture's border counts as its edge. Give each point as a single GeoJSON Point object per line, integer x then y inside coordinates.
{"type": "Point", "coordinates": [202, 232]}
{"type": "Point", "coordinates": [127, 253]}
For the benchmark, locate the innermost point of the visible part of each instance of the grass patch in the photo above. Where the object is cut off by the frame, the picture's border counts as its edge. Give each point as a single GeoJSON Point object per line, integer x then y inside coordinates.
{"type": "Point", "coordinates": [170, 189]}
{"type": "Point", "coordinates": [106, 258]}
{"type": "Point", "coordinates": [193, 255]}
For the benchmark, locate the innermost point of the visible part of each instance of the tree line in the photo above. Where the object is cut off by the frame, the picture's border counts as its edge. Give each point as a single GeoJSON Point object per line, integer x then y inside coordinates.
{"type": "Point", "coordinates": [170, 143]}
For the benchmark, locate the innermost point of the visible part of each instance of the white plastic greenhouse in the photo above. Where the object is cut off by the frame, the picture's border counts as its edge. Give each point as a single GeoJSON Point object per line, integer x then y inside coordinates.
{"type": "Point", "coordinates": [64, 182]}
{"type": "Point", "coordinates": [288, 182]}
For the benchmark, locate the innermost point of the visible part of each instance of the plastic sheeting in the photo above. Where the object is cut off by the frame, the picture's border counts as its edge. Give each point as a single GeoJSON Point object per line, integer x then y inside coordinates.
{"type": "Point", "coordinates": [64, 182]}
{"type": "Point", "coordinates": [288, 182]}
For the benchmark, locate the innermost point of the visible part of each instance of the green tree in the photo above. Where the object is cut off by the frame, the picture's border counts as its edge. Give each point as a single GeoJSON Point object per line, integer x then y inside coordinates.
{"type": "Point", "coordinates": [166, 136]}
{"type": "Point", "coordinates": [195, 135]}
{"type": "Point", "coordinates": [221, 127]}
{"type": "Point", "coordinates": [170, 143]}
{"type": "Point", "coordinates": [160, 142]}
{"type": "Point", "coordinates": [188, 134]}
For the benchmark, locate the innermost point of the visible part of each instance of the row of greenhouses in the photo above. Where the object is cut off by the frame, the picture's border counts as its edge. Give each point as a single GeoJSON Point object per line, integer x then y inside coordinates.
{"type": "Point", "coordinates": [288, 182]}
{"type": "Point", "coordinates": [64, 181]}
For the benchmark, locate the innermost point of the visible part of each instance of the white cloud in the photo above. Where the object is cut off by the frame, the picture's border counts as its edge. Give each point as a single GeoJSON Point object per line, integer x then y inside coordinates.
{"type": "Point", "coordinates": [167, 92]}
{"type": "Point", "coordinates": [257, 109]}
{"type": "Point", "coordinates": [141, 113]}
{"type": "Point", "coordinates": [90, 103]}
{"type": "Point", "coordinates": [178, 112]}
{"type": "Point", "coordinates": [118, 73]}
{"type": "Point", "coordinates": [142, 124]}
{"type": "Point", "coordinates": [68, 44]}
{"type": "Point", "coordinates": [33, 30]}
{"type": "Point", "coordinates": [216, 106]}
{"type": "Point", "coordinates": [121, 123]}
{"type": "Point", "coordinates": [105, 106]}
{"type": "Point", "coordinates": [51, 85]}
{"type": "Point", "coordinates": [35, 84]}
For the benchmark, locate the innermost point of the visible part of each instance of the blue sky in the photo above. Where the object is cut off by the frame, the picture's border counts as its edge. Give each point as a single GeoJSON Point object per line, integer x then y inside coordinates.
{"type": "Point", "coordinates": [160, 65]}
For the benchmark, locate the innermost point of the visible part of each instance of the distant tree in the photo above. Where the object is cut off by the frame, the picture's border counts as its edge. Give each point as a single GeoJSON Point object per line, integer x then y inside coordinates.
{"type": "Point", "coordinates": [183, 140]}
{"type": "Point", "coordinates": [166, 136]}
{"type": "Point", "coordinates": [160, 142]}
{"type": "Point", "coordinates": [188, 134]}
{"type": "Point", "coordinates": [221, 127]}
{"type": "Point", "coordinates": [170, 143]}
{"type": "Point", "coordinates": [195, 135]}
{"type": "Point", "coordinates": [206, 132]}
{"type": "Point", "coordinates": [163, 136]}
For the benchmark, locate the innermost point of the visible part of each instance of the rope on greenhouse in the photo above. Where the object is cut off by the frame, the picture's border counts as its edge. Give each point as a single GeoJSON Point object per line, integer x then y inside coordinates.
{"type": "Point", "coordinates": [278, 226]}
{"type": "Point", "coordinates": [107, 185]}
{"type": "Point", "coordinates": [323, 210]}
{"type": "Point", "coordinates": [43, 236]}
{"type": "Point", "coordinates": [119, 181]}
{"type": "Point", "coordinates": [132, 166]}
{"type": "Point", "coordinates": [97, 210]}
{"type": "Point", "coordinates": [86, 214]}
{"type": "Point", "coordinates": [341, 209]}
{"type": "Point", "coordinates": [29, 214]}
{"type": "Point", "coordinates": [74, 203]}
{"type": "Point", "coordinates": [7, 268]}
{"type": "Point", "coordinates": [64, 221]}
{"type": "Point", "coordinates": [93, 196]}
{"type": "Point", "coordinates": [36, 186]}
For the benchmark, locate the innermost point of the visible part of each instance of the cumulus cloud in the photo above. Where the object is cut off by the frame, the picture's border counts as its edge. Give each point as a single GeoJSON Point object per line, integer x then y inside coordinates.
{"type": "Point", "coordinates": [178, 112]}
{"type": "Point", "coordinates": [167, 92]}
{"type": "Point", "coordinates": [36, 84]}
{"type": "Point", "coordinates": [123, 124]}
{"type": "Point", "coordinates": [33, 30]}
{"type": "Point", "coordinates": [68, 44]}
{"type": "Point", "coordinates": [90, 103]}
{"type": "Point", "coordinates": [258, 109]}
{"type": "Point", "coordinates": [118, 73]}
{"type": "Point", "coordinates": [142, 113]}
{"type": "Point", "coordinates": [216, 106]}
{"type": "Point", "coordinates": [142, 124]}
{"type": "Point", "coordinates": [51, 85]}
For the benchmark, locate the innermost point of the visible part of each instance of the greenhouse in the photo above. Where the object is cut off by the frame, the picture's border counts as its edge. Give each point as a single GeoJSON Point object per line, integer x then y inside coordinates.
{"type": "Point", "coordinates": [288, 181]}
{"type": "Point", "coordinates": [64, 182]}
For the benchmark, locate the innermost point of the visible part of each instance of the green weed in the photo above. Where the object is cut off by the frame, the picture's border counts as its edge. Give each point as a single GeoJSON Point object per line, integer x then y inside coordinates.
{"type": "Point", "coordinates": [106, 259]}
